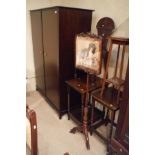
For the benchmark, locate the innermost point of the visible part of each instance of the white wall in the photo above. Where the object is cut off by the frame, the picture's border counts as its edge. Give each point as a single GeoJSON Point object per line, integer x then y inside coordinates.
{"type": "Point", "coordinates": [118, 10]}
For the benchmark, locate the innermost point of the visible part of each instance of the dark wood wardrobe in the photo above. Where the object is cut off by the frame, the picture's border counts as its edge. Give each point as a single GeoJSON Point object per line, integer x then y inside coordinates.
{"type": "Point", "coordinates": [53, 36]}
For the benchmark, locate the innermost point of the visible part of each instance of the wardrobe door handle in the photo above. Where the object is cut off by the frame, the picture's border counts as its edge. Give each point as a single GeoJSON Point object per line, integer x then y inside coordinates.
{"type": "Point", "coordinates": [55, 11]}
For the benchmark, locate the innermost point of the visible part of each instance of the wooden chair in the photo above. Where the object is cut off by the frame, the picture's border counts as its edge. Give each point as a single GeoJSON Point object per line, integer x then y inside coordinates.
{"type": "Point", "coordinates": [110, 93]}
{"type": "Point", "coordinates": [31, 131]}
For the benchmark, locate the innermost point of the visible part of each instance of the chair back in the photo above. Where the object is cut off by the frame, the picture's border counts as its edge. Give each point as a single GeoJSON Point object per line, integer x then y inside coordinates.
{"type": "Point", "coordinates": [117, 47]}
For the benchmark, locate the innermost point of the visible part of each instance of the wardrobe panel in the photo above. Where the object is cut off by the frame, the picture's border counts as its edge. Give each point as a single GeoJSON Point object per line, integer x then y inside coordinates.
{"type": "Point", "coordinates": [71, 23]}
{"type": "Point", "coordinates": [50, 20]}
{"type": "Point", "coordinates": [36, 25]}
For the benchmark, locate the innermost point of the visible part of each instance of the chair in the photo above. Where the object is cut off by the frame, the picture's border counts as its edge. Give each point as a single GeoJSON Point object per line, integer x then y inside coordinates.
{"type": "Point", "coordinates": [109, 95]}
{"type": "Point", "coordinates": [31, 131]}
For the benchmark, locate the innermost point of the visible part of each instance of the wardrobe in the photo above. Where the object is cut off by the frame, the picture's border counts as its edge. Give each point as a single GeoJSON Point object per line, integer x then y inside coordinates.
{"type": "Point", "coordinates": [53, 35]}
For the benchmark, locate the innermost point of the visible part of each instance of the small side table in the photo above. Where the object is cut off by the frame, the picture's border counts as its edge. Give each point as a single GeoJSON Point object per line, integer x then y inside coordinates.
{"type": "Point", "coordinates": [80, 85]}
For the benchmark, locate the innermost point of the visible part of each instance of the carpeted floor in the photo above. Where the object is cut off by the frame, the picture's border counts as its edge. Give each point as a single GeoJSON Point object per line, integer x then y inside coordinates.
{"type": "Point", "coordinates": [53, 134]}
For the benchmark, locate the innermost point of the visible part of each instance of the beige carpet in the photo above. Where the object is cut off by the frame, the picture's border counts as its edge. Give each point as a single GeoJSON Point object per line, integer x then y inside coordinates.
{"type": "Point", "coordinates": [53, 134]}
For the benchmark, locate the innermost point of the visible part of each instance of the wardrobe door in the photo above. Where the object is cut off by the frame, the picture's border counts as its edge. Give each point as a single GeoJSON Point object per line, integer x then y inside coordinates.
{"type": "Point", "coordinates": [71, 22]}
{"type": "Point", "coordinates": [36, 24]}
{"type": "Point", "coordinates": [50, 21]}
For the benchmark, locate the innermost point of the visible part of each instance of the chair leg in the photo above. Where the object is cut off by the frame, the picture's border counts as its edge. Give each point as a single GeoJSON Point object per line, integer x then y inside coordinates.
{"type": "Point", "coordinates": [92, 116]}
{"type": "Point", "coordinates": [109, 150]}
{"type": "Point", "coordinates": [107, 118]}
{"type": "Point", "coordinates": [103, 111]}
{"type": "Point", "coordinates": [111, 128]}
{"type": "Point", "coordinates": [112, 123]}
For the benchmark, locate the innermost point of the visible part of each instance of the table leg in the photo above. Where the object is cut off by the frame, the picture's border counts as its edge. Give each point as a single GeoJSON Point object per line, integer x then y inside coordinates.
{"type": "Point", "coordinates": [68, 95]}
{"type": "Point", "coordinates": [82, 106]}
{"type": "Point", "coordinates": [92, 116]}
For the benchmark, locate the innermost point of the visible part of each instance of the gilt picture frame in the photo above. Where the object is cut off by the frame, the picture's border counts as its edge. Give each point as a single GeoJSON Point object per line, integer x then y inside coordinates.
{"type": "Point", "coordinates": [88, 53]}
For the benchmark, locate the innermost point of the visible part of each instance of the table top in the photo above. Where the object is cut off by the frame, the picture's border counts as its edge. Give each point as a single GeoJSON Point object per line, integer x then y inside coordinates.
{"type": "Point", "coordinates": [79, 84]}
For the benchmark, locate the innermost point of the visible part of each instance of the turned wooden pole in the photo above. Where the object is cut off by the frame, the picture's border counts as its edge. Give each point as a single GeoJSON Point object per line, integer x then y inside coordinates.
{"type": "Point", "coordinates": [85, 118]}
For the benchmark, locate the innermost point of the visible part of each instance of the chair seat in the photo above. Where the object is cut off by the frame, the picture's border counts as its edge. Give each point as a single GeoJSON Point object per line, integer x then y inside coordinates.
{"type": "Point", "coordinates": [115, 81]}
{"type": "Point", "coordinates": [108, 99]}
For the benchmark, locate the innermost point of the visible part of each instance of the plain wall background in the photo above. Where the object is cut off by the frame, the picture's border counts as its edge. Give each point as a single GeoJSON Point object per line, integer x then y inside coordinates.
{"type": "Point", "coordinates": [117, 10]}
